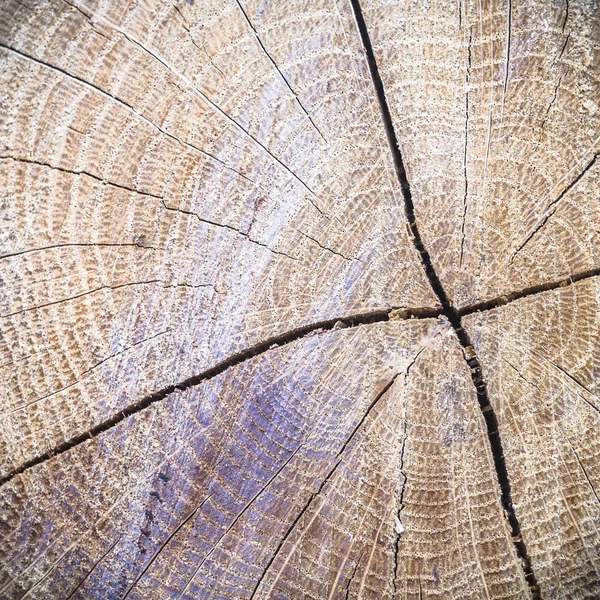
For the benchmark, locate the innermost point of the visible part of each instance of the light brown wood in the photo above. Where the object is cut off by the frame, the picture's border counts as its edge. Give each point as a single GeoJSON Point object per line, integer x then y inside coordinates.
{"type": "Point", "coordinates": [299, 299]}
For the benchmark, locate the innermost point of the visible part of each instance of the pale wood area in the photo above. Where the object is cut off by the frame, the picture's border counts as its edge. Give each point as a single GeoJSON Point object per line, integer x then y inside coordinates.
{"type": "Point", "coordinates": [299, 300]}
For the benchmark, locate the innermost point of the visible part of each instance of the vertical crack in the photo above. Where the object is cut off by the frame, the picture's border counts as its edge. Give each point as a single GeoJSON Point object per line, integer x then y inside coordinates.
{"type": "Point", "coordinates": [507, 60]}
{"type": "Point", "coordinates": [398, 526]}
{"type": "Point", "coordinates": [466, 146]}
{"type": "Point", "coordinates": [449, 311]}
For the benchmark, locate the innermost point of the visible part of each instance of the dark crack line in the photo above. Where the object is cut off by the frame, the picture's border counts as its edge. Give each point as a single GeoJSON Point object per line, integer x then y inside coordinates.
{"type": "Point", "coordinates": [107, 287]}
{"type": "Point", "coordinates": [337, 461]}
{"type": "Point", "coordinates": [351, 578]}
{"type": "Point", "coordinates": [572, 378]}
{"type": "Point", "coordinates": [78, 172]}
{"type": "Point", "coordinates": [125, 105]}
{"type": "Point", "coordinates": [584, 471]}
{"type": "Point", "coordinates": [566, 15]}
{"type": "Point", "coordinates": [466, 148]}
{"type": "Point", "coordinates": [390, 132]}
{"type": "Point", "coordinates": [181, 525]}
{"type": "Point", "coordinates": [186, 26]}
{"type": "Point", "coordinates": [399, 528]}
{"type": "Point", "coordinates": [556, 88]}
{"type": "Point", "coordinates": [521, 376]}
{"type": "Point", "coordinates": [276, 67]}
{"type": "Point", "coordinates": [449, 311]}
{"type": "Point", "coordinates": [79, 245]}
{"type": "Point", "coordinates": [562, 50]}
{"type": "Point", "coordinates": [90, 571]}
{"type": "Point", "coordinates": [225, 226]}
{"type": "Point", "coordinates": [553, 206]}
{"type": "Point", "coordinates": [233, 523]}
{"type": "Point", "coordinates": [507, 59]}
{"type": "Point", "coordinates": [398, 523]}
{"type": "Point", "coordinates": [527, 292]}
{"type": "Point", "coordinates": [84, 373]}
{"type": "Point", "coordinates": [208, 101]}
{"type": "Point", "coordinates": [312, 239]}
{"type": "Point", "coordinates": [356, 320]}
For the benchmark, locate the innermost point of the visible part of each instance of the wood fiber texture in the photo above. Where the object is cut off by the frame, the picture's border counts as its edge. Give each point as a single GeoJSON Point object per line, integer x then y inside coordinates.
{"type": "Point", "coordinates": [299, 300]}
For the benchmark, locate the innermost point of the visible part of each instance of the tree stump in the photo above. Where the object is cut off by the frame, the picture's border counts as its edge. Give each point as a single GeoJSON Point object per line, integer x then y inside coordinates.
{"type": "Point", "coordinates": [300, 299]}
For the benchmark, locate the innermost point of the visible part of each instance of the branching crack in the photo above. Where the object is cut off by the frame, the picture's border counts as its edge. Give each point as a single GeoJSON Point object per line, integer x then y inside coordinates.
{"type": "Point", "coordinates": [449, 311]}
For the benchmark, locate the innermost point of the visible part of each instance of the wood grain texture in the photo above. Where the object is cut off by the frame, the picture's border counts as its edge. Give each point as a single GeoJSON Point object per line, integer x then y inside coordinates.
{"type": "Point", "coordinates": [299, 300]}
{"type": "Point", "coordinates": [496, 107]}
{"type": "Point", "coordinates": [542, 373]}
{"type": "Point", "coordinates": [124, 277]}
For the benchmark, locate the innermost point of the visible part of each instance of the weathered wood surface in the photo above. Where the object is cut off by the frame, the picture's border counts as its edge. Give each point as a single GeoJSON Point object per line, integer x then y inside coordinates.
{"type": "Point", "coordinates": [299, 299]}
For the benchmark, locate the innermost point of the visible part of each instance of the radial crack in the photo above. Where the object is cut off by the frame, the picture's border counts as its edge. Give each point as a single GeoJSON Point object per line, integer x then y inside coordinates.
{"type": "Point", "coordinates": [78, 172]}
{"type": "Point", "coordinates": [551, 209]}
{"type": "Point", "coordinates": [283, 77]}
{"type": "Point", "coordinates": [449, 311]}
{"type": "Point", "coordinates": [214, 106]}
{"type": "Point", "coordinates": [585, 473]}
{"type": "Point", "coordinates": [466, 148]}
{"type": "Point", "coordinates": [325, 247]}
{"type": "Point", "coordinates": [337, 461]}
{"type": "Point", "coordinates": [507, 59]}
{"type": "Point", "coordinates": [320, 327]}
{"type": "Point", "coordinates": [225, 226]}
{"type": "Point", "coordinates": [533, 290]}
{"type": "Point", "coordinates": [79, 245]}
{"type": "Point", "coordinates": [125, 105]}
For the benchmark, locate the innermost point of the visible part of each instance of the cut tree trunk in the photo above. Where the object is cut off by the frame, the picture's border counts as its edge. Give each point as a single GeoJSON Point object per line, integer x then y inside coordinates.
{"type": "Point", "coordinates": [300, 299]}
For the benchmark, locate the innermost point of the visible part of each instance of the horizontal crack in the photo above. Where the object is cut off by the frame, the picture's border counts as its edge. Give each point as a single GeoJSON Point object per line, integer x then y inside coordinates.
{"type": "Point", "coordinates": [377, 316]}
{"type": "Point", "coordinates": [79, 245]}
{"type": "Point", "coordinates": [528, 291]}
{"type": "Point", "coordinates": [225, 226]}
{"type": "Point", "coordinates": [78, 172]}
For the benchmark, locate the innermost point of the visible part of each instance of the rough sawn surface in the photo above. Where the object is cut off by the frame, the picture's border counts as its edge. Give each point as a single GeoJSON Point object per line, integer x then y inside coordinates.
{"type": "Point", "coordinates": [299, 300]}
